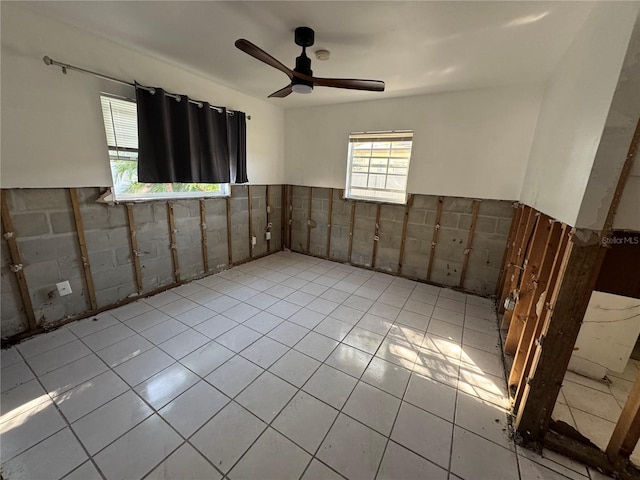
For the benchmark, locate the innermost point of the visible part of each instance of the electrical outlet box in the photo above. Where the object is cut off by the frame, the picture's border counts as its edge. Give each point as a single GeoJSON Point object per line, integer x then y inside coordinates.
{"type": "Point", "coordinates": [64, 288]}
{"type": "Point", "coordinates": [254, 241]}
{"type": "Point", "coordinates": [267, 236]}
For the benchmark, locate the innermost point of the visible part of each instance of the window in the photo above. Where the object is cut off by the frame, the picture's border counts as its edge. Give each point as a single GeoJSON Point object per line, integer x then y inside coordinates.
{"type": "Point", "coordinates": [379, 166]}
{"type": "Point", "coordinates": [121, 126]}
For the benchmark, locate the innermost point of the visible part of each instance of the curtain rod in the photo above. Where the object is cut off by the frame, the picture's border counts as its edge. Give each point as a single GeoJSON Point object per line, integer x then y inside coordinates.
{"type": "Point", "coordinates": [65, 66]}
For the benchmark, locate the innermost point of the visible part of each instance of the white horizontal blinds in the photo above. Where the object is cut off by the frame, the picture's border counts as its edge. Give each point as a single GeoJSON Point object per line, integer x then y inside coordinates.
{"type": "Point", "coordinates": [380, 165]}
{"type": "Point", "coordinates": [121, 127]}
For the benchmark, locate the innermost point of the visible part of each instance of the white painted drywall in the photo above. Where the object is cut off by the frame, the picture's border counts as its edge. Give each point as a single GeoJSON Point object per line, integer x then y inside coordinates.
{"type": "Point", "coordinates": [607, 336]}
{"type": "Point", "coordinates": [472, 143]}
{"type": "Point", "coordinates": [52, 132]}
{"type": "Point", "coordinates": [574, 110]}
{"type": "Point", "coordinates": [612, 151]}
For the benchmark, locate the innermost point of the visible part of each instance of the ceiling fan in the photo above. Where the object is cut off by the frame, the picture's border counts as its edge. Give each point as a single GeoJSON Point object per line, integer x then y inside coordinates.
{"type": "Point", "coordinates": [302, 79]}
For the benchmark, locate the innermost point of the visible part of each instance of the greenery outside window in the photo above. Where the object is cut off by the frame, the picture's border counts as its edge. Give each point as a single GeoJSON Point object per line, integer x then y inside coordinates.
{"type": "Point", "coordinates": [378, 166]}
{"type": "Point", "coordinates": [121, 127]}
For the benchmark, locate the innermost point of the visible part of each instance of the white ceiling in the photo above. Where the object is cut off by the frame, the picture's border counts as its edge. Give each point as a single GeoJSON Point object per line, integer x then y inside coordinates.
{"type": "Point", "coordinates": [415, 47]}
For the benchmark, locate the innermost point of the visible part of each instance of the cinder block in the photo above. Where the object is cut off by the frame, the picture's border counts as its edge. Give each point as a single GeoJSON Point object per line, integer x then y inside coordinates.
{"type": "Point", "coordinates": [102, 261]}
{"type": "Point", "coordinates": [456, 204]}
{"type": "Point", "coordinates": [144, 213]}
{"type": "Point", "coordinates": [30, 224]}
{"type": "Point", "coordinates": [425, 201]}
{"type": "Point", "coordinates": [449, 220]}
{"type": "Point", "coordinates": [36, 250]}
{"type": "Point", "coordinates": [497, 208]}
{"type": "Point", "coordinates": [483, 224]}
{"type": "Point", "coordinates": [417, 216]}
{"type": "Point", "coordinates": [63, 222]}
{"type": "Point", "coordinates": [38, 199]}
{"type": "Point", "coordinates": [504, 226]}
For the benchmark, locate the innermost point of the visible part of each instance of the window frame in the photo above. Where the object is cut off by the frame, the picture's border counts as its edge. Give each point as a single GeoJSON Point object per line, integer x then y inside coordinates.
{"type": "Point", "coordinates": [225, 188]}
{"type": "Point", "coordinates": [393, 135]}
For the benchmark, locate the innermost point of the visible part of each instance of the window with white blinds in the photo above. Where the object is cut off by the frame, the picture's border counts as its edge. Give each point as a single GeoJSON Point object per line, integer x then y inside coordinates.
{"type": "Point", "coordinates": [378, 166]}
{"type": "Point", "coordinates": [121, 128]}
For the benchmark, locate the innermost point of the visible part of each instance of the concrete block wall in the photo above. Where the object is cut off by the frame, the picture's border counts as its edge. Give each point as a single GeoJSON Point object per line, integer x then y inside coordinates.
{"type": "Point", "coordinates": [485, 255]}
{"type": "Point", "coordinates": [46, 236]}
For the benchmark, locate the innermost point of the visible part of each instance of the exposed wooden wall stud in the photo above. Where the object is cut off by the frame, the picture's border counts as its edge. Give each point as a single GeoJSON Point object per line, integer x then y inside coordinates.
{"type": "Point", "coordinates": [250, 222]}
{"type": "Point", "coordinates": [376, 237]}
{"type": "Point", "coordinates": [17, 267]}
{"type": "Point", "coordinates": [351, 221]}
{"type": "Point", "coordinates": [309, 211]}
{"type": "Point", "coordinates": [627, 431]}
{"type": "Point", "coordinates": [434, 240]}
{"type": "Point", "coordinates": [203, 234]}
{"type": "Point", "coordinates": [515, 221]}
{"type": "Point", "coordinates": [269, 225]}
{"type": "Point", "coordinates": [283, 216]}
{"type": "Point", "coordinates": [289, 214]}
{"type": "Point", "coordinates": [329, 222]}
{"type": "Point", "coordinates": [403, 240]}
{"type": "Point", "coordinates": [82, 243]}
{"type": "Point", "coordinates": [229, 242]}
{"type": "Point", "coordinates": [135, 251]}
{"type": "Point", "coordinates": [174, 245]}
{"type": "Point", "coordinates": [467, 251]}
{"type": "Point", "coordinates": [513, 255]}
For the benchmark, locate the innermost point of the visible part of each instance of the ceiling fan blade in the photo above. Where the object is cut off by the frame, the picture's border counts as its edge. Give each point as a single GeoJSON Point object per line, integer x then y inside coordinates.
{"type": "Point", "coordinates": [283, 92]}
{"type": "Point", "coordinates": [350, 83]}
{"type": "Point", "coordinates": [256, 52]}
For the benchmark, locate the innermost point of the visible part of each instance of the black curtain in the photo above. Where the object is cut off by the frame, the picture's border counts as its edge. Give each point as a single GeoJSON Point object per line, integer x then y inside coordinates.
{"type": "Point", "coordinates": [237, 131]}
{"type": "Point", "coordinates": [180, 141]}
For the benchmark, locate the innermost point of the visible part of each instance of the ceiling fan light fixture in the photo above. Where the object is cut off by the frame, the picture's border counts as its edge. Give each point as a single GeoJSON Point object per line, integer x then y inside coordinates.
{"type": "Point", "coordinates": [301, 88]}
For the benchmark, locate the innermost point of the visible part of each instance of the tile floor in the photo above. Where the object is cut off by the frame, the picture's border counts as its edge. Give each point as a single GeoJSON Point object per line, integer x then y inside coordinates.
{"type": "Point", "coordinates": [285, 367]}
{"type": "Point", "coordinates": [593, 407]}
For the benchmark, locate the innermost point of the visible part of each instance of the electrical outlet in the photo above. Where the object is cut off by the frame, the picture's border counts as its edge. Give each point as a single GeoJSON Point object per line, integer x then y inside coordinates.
{"type": "Point", "coordinates": [267, 236]}
{"type": "Point", "coordinates": [254, 241]}
{"type": "Point", "coordinates": [64, 288]}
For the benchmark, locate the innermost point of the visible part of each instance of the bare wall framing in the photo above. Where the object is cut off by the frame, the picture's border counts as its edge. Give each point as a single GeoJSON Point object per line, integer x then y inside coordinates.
{"type": "Point", "coordinates": [401, 239]}
{"type": "Point", "coordinates": [111, 254]}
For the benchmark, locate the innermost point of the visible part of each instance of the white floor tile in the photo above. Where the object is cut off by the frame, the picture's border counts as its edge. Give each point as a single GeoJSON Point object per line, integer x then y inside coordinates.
{"type": "Point", "coordinates": [305, 420]}
{"type": "Point", "coordinates": [90, 395]}
{"type": "Point", "coordinates": [266, 396]}
{"type": "Point", "coordinates": [400, 463]}
{"type": "Point", "coordinates": [373, 407]}
{"type": "Point", "coordinates": [53, 458]}
{"type": "Point", "coordinates": [263, 322]}
{"type": "Point", "coordinates": [184, 343]}
{"type": "Point", "coordinates": [207, 358]}
{"type": "Point", "coordinates": [145, 365]}
{"type": "Point", "coordinates": [228, 435]}
{"type": "Point", "coordinates": [409, 430]}
{"type": "Point", "coordinates": [137, 452]}
{"type": "Point", "coordinates": [295, 367]}
{"type": "Point", "coordinates": [195, 316]}
{"type": "Point", "coordinates": [238, 338]}
{"type": "Point", "coordinates": [110, 421]}
{"type": "Point", "coordinates": [349, 360]}
{"type": "Point", "coordinates": [363, 340]}
{"type": "Point", "coordinates": [72, 375]}
{"type": "Point", "coordinates": [306, 318]}
{"type": "Point", "coordinates": [147, 320]}
{"type": "Point", "coordinates": [58, 357]}
{"type": "Point", "coordinates": [333, 328]}
{"type": "Point", "coordinates": [475, 457]}
{"type": "Point", "coordinates": [432, 396]}
{"type": "Point", "coordinates": [86, 471]}
{"type": "Point", "coordinates": [484, 419]}
{"type": "Point", "coordinates": [15, 375]}
{"type": "Point", "coordinates": [316, 346]}
{"type": "Point", "coordinates": [184, 461]}
{"type": "Point", "coordinates": [20, 399]}
{"type": "Point", "coordinates": [45, 342]}
{"type": "Point", "coordinates": [272, 456]}
{"type": "Point", "coordinates": [331, 386]}
{"type": "Point", "coordinates": [288, 333]}
{"type": "Point", "coordinates": [352, 449]}
{"type": "Point", "coordinates": [166, 385]}
{"type": "Point", "coordinates": [124, 350]}
{"type": "Point", "coordinates": [93, 324]}
{"type": "Point", "coordinates": [319, 471]}
{"type": "Point", "coordinates": [189, 411]}
{"type": "Point", "coordinates": [215, 326]}
{"type": "Point", "coordinates": [232, 377]}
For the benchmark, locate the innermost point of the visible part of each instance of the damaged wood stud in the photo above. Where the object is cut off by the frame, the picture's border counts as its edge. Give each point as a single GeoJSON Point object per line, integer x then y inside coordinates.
{"type": "Point", "coordinates": [267, 201]}
{"type": "Point", "coordinates": [627, 431]}
{"type": "Point", "coordinates": [82, 243]}
{"type": "Point", "coordinates": [525, 284]}
{"type": "Point", "coordinates": [12, 243]}
{"type": "Point", "coordinates": [283, 218]}
{"type": "Point", "coordinates": [515, 222]}
{"type": "Point", "coordinates": [405, 224]}
{"type": "Point", "coordinates": [309, 209]}
{"type": "Point", "coordinates": [376, 238]}
{"type": "Point", "coordinates": [249, 207]}
{"type": "Point", "coordinates": [174, 245]}
{"type": "Point", "coordinates": [329, 222]}
{"type": "Point", "coordinates": [467, 252]}
{"type": "Point", "coordinates": [135, 252]}
{"type": "Point", "coordinates": [351, 221]}
{"type": "Point", "coordinates": [203, 234]}
{"type": "Point", "coordinates": [289, 214]}
{"type": "Point", "coordinates": [229, 243]}
{"type": "Point", "coordinates": [434, 240]}
{"type": "Point", "coordinates": [513, 254]}
{"type": "Point", "coordinates": [535, 281]}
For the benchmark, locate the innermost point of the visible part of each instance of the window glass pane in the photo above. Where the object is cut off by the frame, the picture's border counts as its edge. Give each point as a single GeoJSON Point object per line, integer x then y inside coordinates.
{"type": "Point", "coordinates": [121, 129]}
{"type": "Point", "coordinates": [379, 166]}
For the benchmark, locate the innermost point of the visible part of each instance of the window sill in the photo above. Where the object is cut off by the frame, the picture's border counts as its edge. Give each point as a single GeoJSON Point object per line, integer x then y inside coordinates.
{"type": "Point", "coordinates": [108, 197]}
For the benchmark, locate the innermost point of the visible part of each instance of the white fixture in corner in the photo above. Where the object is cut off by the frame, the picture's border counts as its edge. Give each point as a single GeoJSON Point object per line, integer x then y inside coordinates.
{"type": "Point", "coordinates": [254, 240]}
{"type": "Point", "coordinates": [301, 88]}
{"type": "Point", "coordinates": [64, 288]}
